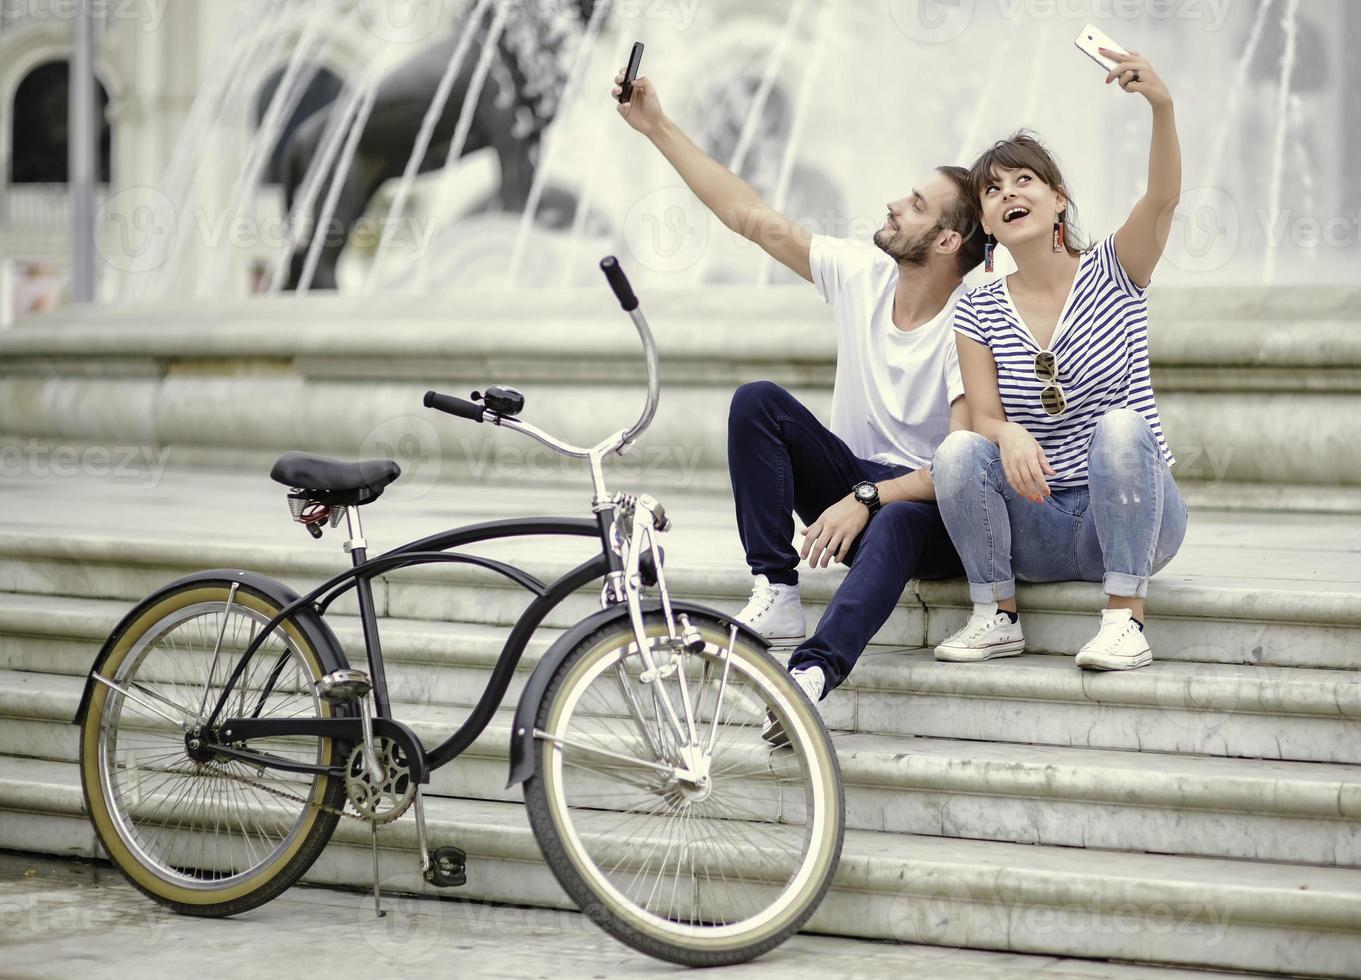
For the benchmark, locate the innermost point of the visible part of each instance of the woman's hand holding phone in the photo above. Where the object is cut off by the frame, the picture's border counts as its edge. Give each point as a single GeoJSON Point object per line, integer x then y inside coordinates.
{"type": "Point", "coordinates": [1135, 74]}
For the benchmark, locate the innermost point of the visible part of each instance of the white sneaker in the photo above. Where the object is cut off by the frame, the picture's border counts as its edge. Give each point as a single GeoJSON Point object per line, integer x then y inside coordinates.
{"type": "Point", "coordinates": [986, 635]}
{"type": "Point", "coordinates": [1119, 645]}
{"type": "Point", "coordinates": [775, 612]}
{"type": "Point", "coordinates": [813, 682]}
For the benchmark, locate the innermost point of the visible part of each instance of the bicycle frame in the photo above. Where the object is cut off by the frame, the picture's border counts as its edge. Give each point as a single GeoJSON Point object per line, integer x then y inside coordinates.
{"type": "Point", "coordinates": [425, 551]}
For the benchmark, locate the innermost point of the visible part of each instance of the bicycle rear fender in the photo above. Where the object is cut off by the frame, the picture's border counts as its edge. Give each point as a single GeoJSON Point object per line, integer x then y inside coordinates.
{"type": "Point", "coordinates": [306, 618]}
{"type": "Point", "coordinates": [522, 732]}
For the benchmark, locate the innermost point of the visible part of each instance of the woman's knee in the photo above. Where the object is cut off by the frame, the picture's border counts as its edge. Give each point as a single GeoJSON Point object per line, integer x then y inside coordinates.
{"type": "Point", "coordinates": [753, 399]}
{"type": "Point", "coordinates": [960, 460]}
{"type": "Point", "coordinates": [1121, 427]}
{"type": "Point", "coordinates": [1122, 446]}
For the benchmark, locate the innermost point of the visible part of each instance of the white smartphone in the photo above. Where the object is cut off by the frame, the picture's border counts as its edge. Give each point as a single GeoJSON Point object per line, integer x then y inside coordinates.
{"type": "Point", "coordinates": [1091, 40]}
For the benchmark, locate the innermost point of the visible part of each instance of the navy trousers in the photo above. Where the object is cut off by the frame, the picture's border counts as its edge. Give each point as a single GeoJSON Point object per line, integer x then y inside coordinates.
{"type": "Point", "coordinates": [783, 461]}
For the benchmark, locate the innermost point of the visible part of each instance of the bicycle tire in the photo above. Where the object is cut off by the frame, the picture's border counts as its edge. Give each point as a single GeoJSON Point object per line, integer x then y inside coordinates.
{"type": "Point", "coordinates": [563, 837]}
{"type": "Point", "coordinates": [154, 655]}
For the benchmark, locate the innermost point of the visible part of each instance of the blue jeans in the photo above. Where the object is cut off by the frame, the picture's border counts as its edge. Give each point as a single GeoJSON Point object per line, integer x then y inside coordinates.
{"type": "Point", "coordinates": [1126, 524]}
{"type": "Point", "coordinates": [783, 461]}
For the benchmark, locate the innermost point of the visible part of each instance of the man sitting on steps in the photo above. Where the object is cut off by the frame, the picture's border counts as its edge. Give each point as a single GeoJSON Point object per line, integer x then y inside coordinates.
{"type": "Point", "coordinates": [864, 486]}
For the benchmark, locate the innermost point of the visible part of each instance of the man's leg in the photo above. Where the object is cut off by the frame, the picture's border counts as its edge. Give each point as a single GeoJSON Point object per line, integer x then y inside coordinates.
{"type": "Point", "coordinates": [905, 540]}
{"type": "Point", "coordinates": [782, 461]}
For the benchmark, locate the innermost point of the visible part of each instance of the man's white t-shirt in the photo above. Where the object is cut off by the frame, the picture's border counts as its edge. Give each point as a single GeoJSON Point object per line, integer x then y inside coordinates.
{"type": "Point", "coordinates": [893, 389]}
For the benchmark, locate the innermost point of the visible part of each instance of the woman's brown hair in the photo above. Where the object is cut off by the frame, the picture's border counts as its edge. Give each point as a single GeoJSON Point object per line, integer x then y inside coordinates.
{"type": "Point", "coordinates": [1022, 151]}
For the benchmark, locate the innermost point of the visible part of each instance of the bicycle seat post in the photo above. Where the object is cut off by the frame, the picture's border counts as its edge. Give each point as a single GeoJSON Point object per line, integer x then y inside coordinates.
{"type": "Point", "coordinates": [357, 547]}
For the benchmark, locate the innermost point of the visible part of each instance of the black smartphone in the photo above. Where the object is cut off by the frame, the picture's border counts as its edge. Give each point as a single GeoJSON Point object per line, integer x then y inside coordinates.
{"type": "Point", "coordinates": [635, 58]}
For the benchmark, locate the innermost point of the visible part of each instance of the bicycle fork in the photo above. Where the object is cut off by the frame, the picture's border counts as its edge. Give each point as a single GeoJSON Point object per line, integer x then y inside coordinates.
{"type": "Point", "coordinates": [649, 520]}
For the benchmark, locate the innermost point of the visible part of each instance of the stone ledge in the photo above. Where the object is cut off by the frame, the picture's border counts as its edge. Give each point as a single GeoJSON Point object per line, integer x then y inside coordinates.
{"type": "Point", "coordinates": [1289, 436]}
{"type": "Point", "coordinates": [1271, 330]}
{"type": "Point", "coordinates": [1197, 617]}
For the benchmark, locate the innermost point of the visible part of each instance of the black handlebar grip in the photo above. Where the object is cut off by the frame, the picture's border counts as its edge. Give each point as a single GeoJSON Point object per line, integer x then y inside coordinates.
{"type": "Point", "coordinates": [450, 405]}
{"type": "Point", "coordinates": [619, 283]}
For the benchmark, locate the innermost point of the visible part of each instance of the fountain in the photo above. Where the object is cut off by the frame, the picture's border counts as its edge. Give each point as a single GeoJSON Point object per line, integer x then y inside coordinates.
{"type": "Point", "coordinates": [484, 141]}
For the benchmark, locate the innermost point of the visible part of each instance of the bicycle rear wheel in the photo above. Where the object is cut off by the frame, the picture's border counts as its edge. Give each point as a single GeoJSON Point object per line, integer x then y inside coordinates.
{"type": "Point", "coordinates": [702, 872]}
{"type": "Point", "coordinates": [206, 835]}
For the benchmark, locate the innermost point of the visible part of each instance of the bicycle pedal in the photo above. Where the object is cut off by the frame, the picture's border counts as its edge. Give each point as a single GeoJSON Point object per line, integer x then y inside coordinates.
{"type": "Point", "coordinates": [448, 867]}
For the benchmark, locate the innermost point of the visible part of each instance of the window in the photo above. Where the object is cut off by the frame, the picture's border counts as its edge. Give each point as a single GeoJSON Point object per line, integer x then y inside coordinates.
{"type": "Point", "coordinates": [39, 126]}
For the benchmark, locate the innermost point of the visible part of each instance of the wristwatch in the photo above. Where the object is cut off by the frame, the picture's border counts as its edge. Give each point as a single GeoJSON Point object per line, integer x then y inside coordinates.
{"type": "Point", "coordinates": [868, 494]}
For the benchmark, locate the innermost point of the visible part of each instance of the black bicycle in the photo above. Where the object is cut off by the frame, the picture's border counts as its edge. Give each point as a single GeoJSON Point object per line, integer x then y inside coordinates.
{"type": "Point", "coordinates": [224, 733]}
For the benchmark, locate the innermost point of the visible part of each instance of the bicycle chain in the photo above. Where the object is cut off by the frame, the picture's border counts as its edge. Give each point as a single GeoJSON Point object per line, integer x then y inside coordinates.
{"type": "Point", "coordinates": [276, 791]}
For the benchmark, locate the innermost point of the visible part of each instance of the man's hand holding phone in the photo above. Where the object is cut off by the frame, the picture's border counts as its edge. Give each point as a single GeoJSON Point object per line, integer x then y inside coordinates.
{"type": "Point", "coordinates": [643, 110]}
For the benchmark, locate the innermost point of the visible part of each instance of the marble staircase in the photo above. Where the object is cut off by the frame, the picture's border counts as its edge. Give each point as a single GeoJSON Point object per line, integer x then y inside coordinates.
{"type": "Point", "coordinates": [1203, 811]}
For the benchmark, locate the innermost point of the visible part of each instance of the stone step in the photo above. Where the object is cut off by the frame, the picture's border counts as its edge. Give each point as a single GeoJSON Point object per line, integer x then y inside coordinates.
{"type": "Point", "coordinates": [1283, 918]}
{"type": "Point", "coordinates": [1272, 592]}
{"type": "Point", "coordinates": [1078, 797]}
{"type": "Point", "coordinates": [1237, 710]}
{"type": "Point", "coordinates": [670, 470]}
{"type": "Point", "coordinates": [1249, 391]}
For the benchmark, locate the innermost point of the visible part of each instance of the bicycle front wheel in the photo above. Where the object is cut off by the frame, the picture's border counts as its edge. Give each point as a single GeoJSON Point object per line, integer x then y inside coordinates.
{"type": "Point", "coordinates": [206, 834]}
{"type": "Point", "coordinates": [679, 830]}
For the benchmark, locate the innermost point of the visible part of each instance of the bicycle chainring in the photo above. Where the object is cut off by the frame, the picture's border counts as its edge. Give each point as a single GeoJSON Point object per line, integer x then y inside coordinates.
{"type": "Point", "coordinates": [385, 801]}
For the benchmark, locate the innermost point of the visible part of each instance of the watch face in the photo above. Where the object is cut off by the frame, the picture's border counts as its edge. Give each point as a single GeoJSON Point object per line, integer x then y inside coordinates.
{"type": "Point", "coordinates": [866, 491]}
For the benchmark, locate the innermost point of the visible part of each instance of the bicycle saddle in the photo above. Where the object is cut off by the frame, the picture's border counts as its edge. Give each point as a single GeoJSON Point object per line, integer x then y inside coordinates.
{"type": "Point", "coordinates": [335, 481]}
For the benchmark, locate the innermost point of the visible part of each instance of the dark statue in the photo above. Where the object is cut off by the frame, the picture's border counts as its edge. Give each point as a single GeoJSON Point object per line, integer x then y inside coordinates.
{"type": "Point", "coordinates": [517, 102]}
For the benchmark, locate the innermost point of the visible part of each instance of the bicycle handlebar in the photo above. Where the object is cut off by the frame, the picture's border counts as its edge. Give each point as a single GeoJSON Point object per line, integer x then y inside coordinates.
{"type": "Point", "coordinates": [450, 405]}
{"type": "Point", "coordinates": [619, 441]}
{"type": "Point", "coordinates": [619, 283]}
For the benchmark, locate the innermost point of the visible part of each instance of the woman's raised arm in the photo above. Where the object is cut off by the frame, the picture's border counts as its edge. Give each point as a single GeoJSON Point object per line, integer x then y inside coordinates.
{"type": "Point", "coordinates": [1139, 242]}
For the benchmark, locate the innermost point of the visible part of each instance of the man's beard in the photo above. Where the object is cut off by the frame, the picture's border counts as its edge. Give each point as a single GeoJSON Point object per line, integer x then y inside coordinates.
{"type": "Point", "coordinates": [909, 253]}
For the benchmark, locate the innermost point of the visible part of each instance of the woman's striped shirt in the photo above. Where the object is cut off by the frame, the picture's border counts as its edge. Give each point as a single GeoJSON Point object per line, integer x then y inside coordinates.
{"type": "Point", "coordinates": [1100, 343]}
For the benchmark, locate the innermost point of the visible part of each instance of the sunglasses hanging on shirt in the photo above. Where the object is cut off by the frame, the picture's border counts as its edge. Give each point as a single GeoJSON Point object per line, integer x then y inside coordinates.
{"type": "Point", "coordinates": [1047, 370]}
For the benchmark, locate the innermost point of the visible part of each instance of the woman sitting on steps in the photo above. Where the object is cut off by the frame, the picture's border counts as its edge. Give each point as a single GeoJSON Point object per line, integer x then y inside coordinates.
{"type": "Point", "coordinates": [1067, 474]}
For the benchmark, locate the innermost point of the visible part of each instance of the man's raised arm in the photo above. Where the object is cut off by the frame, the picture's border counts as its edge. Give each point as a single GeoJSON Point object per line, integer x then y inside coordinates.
{"type": "Point", "coordinates": [724, 193]}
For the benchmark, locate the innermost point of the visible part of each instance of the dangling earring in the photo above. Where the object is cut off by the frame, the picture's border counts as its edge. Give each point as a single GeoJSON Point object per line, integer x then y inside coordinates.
{"type": "Point", "coordinates": [1058, 233]}
{"type": "Point", "coordinates": [988, 247]}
